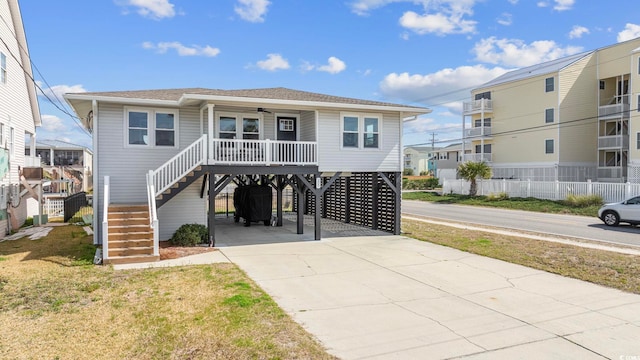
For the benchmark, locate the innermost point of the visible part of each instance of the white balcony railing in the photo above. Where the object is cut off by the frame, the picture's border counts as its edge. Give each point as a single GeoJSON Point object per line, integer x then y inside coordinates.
{"type": "Point", "coordinates": [611, 172]}
{"type": "Point", "coordinates": [617, 107]}
{"type": "Point", "coordinates": [263, 152]}
{"type": "Point", "coordinates": [476, 157]}
{"type": "Point", "coordinates": [477, 106]}
{"type": "Point", "coordinates": [478, 131]}
{"type": "Point", "coordinates": [613, 142]}
{"type": "Point", "coordinates": [32, 161]}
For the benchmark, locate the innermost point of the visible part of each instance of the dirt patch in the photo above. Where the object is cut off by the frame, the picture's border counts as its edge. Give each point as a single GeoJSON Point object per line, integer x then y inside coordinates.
{"type": "Point", "coordinates": [169, 251]}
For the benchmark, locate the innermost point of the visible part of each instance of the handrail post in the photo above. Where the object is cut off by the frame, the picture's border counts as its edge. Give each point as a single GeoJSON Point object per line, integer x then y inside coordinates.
{"type": "Point", "coordinates": [153, 216]}
{"type": "Point", "coordinates": [267, 152]}
{"type": "Point", "coordinates": [105, 220]}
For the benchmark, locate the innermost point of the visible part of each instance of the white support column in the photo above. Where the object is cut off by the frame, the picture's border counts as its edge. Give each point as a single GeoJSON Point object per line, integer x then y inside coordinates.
{"type": "Point", "coordinates": [210, 129]}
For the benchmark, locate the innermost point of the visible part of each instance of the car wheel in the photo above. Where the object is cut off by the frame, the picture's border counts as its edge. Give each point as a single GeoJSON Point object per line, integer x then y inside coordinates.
{"type": "Point", "coordinates": [610, 218]}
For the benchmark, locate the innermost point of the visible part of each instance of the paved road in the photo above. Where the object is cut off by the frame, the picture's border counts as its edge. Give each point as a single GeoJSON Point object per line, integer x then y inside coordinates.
{"type": "Point", "coordinates": [565, 225]}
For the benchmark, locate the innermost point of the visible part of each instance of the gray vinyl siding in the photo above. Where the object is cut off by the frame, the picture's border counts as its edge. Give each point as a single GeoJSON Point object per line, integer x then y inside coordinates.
{"type": "Point", "coordinates": [332, 157]}
{"type": "Point", "coordinates": [127, 167]}
{"type": "Point", "coordinates": [307, 126]}
{"type": "Point", "coordinates": [185, 208]}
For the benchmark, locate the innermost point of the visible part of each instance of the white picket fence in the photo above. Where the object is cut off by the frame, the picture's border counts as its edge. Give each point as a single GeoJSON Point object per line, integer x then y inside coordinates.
{"type": "Point", "coordinates": [549, 190]}
{"type": "Point", "coordinates": [53, 207]}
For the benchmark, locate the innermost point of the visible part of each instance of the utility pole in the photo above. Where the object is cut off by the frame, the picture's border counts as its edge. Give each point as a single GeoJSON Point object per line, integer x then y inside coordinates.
{"type": "Point", "coordinates": [433, 161]}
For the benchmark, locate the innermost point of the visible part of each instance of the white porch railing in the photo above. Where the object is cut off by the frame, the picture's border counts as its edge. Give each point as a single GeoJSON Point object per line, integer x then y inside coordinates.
{"type": "Point", "coordinates": [613, 141]}
{"type": "Point", "coordinates": [263, 152]}
{"type": "Point", "coordinates": [614, 111]}
{"type": "Point", "coordinates": [477, 157]}
{"type": "Point", "coordinates": [478, 131]}
{"type": "Point", "coordinates": [32, 161]}
{"type": "Point", "coordinates": [153, 213]}
{"type": "Point", "coordinates": [476, 106]}
{"type": "Point", "coordinates": [105, 220]}
{"type": "Point", "coordinates": [180, 165]}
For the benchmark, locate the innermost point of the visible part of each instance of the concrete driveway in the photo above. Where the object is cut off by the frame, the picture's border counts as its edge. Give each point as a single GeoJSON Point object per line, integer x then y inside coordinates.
{"type": "Point", "coordinates": [392, 297]}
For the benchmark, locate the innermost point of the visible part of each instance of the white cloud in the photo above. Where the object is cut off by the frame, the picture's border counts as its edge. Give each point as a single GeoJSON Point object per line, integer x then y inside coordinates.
{"type": "Point", "coordinates": [424, 125]}
{"type": "Point", "coordinates": [274, 62]}
{"type": "Point", "coordinates": [446, 87]}
{"type": "Point", "coordinates": [252, 10]}
{"type": "Point", "coordinates": [513, 2]}
{"type": "Point", "coordinates": [182, 50]}
{"type": "Point", "coordinates": [577, 31]}
{"type": "Point", "coordinates": [439, 23]}
{"type": "Point", "coordinates": [363, 7]}
{"type": "Point", "coordinates": [57, 91]}
{"type": "Point", "coordinates": [334, 66]}
{"type": "Point", "coordinates": [515, 53]}
{"type": "Point", "coordinates": [53, 123]}
{"type": "Point", "coordinates": [505, 19]}
{"type": "Point", "coordinates": [154, 9]}
{"type": "Point", "coordinates": [562, 5]}
{"type": "Point", "coordinates": [631, 31]}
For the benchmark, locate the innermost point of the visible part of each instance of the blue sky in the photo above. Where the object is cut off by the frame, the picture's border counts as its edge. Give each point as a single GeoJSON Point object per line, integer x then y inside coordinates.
{"type": "Point", "coordinates": [414, 52]}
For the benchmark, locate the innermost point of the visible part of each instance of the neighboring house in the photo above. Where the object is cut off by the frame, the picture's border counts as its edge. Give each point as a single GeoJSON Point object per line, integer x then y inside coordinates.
{"type": "Point", "coordinates": [64, 160]}
{"type": "Point", "coordinates": [568, 119]}
{"type": "Point", "coordinates": [19, 115]}
{"type": "Point", "coordinates": [447, 159]}
{"type": "Point", "coordinates": [419, 159]}
{"type": "Point", "coordinates": [168, 149]}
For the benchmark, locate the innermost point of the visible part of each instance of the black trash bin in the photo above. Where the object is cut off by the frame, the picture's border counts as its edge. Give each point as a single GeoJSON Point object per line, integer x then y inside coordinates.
{"type": "Point", "coordinates": [253, 204]}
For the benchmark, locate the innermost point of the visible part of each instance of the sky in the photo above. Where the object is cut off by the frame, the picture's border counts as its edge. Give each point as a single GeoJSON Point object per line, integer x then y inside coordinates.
{"type": "Point", "coordinates": [428, 53]}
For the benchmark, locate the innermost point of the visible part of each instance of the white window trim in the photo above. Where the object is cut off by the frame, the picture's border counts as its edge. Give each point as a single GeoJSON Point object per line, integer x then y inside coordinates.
{"type": "Point", "coordinates": [297, 124]}
{"type": "Point", "coordinates": [151, 127]}
{"type": "Point", "coordinates": [361, 132]}
{"type": "Point", "coordinates": [239, 117]}
{"type": "Point", "coordinates": [545, 146]}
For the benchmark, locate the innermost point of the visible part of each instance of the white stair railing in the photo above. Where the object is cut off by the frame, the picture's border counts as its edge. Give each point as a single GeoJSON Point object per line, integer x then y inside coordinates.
{"type": "Point", "coordinates": [105, 221]}
{"type": "Point", "coordinates": [180, 165]}
{"type": "Point", "coordinates": [153, 213]}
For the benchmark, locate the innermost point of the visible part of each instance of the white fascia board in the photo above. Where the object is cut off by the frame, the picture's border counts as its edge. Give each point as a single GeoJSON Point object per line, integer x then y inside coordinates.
{"type": "Point", "coordinates": [311, 105]}
{"type": "Point", "coordinates": [121, 100]}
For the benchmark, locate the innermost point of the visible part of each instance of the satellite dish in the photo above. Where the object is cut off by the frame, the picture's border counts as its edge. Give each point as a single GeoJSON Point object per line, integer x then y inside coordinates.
{"type": "Point", "coordinates": [89, 120]}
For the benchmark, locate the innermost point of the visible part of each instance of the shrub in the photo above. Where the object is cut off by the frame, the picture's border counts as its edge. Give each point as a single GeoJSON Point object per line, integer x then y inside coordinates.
{"type": "Point", "coordinates": [424, 173]}
{"type": "Point", "coordinates": [498, 196]}
{"type": "Point", "coordinates": [407, 172]}
{"type": "Point", "coordinates": [190, 235]}
{"type": "Point", "coordinates": [582, 201]}
{"type": "Point", "coordinates": [420, 184]}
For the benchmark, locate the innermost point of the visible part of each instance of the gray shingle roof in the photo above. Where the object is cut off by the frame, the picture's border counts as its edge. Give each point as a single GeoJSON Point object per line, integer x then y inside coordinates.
{"type": "Point", "coordinates": [278, 93]}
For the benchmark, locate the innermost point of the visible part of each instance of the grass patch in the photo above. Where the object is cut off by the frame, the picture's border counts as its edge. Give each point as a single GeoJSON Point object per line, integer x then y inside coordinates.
{"type": "Point", "coordinates": [615, 270]}
{"type": "Point", "coordinates": [55, 304]}
{"type": "Point", "coordinates": [586, 206]}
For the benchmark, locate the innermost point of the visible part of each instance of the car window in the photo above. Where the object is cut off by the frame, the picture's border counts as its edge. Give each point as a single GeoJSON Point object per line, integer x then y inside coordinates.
{"type": "Point", "coordinates": [634, 201]}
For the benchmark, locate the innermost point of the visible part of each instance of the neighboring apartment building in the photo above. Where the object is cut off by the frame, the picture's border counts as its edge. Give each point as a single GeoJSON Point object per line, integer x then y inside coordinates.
{"type": "Point", "coordinates": [19, 115]}
{"type": "Point", "coordinates": [568, 119]}
{"type": "Point", "coordinates": [66, 161]}
{"type": "Point", "coordinates": [419, 159]}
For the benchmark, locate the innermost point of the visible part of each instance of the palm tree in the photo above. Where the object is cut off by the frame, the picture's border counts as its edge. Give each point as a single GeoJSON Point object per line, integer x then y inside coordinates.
{"type": "Point", "coordinates": [471, 170]}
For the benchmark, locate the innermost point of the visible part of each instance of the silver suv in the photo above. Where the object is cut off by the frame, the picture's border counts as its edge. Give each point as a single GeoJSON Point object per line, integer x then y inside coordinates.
{"type": "Point", "coordinates": [624, 211]}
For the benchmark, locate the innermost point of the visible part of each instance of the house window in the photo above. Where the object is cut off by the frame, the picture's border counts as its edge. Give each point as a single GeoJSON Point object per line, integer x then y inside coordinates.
{"type": "Point", "coordinates": [365, 127]}
{"type": "Point", "coordinates": [138, 124]}
{"type": "Point", "coordinates": [478, 122]}
{"type": "Point", "coordinates": [638, 141]}
{"type": "Point", "coordinates": [3, 68]}
{"type": "Point", "coordinates": [638, 103]}
{"type": "Point", "coordinates": [484, 95]}
{"type": "Point", "coordinates": [151, 127]}
{"type": "Point", "coordinates": [487, 149]}
{"type": "Point", "coordinates": [350, 131]}
{"type": "Point", "coordinates": [548, 146]}
{"type": "Point", "coordinates": [548, 115]}
{"type": "Point", "coordinates": [548, 83]}
{"type": "Point", "coordinates": [370, 132]}
{"type": "Point", "coordinates": [602, 85]}
{"type": "Point", "coordinates": [239, 126]}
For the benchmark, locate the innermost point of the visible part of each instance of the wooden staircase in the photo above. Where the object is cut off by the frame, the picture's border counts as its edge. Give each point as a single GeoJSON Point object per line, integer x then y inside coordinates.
{"type": "Point", "coordinates": [130, 236]}
{"type": "Point", "coordinates": [180, 185]}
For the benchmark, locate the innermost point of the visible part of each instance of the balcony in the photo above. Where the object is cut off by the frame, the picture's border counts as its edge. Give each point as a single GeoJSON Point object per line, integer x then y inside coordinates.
{"type": "Point", "coordinates": [476, 157]}
{"type": "Point", "coordinates": [612, 173]}
{"type": "Point", "coordinates": [478, 132]}
{"type": "Point", "coordinates": [477, 106]}
{"type": "Point", "coordinates": [616, 108]}
{"type": "Point", "coordinates": [32, 161]}
{"type": "Point", "coordinates": [613, 142]}
{"type": "Point", "coordinates": [262, 152]}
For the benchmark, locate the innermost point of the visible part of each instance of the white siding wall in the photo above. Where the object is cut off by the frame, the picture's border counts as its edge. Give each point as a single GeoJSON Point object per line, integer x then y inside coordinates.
{"type": "Point", "coordinates": [307, 126]}
{"type": "Point", "coordinates": [185, 208]}
{"type": "Point", "coordinates": [15, 107]}
{"type": "Point", "coordinates": [333, 158]}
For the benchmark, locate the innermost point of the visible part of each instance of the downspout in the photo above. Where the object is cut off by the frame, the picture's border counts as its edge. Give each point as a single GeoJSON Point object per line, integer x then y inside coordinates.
{"type": "Point", "coordinates": [95, 171]}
